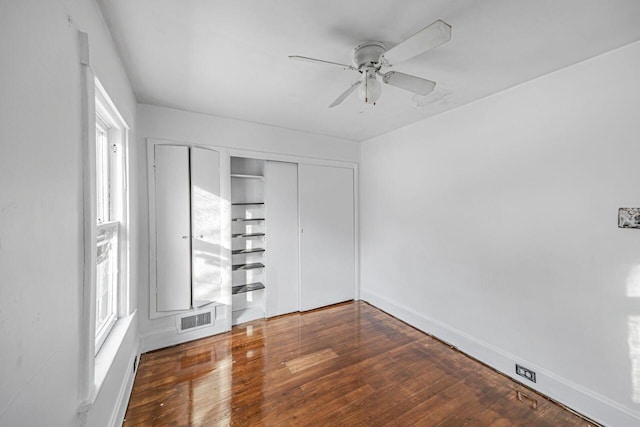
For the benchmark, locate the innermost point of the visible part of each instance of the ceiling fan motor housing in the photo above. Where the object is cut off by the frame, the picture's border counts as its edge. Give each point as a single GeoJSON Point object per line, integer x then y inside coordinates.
{"type": "Point", "coordinates": [368, 54]}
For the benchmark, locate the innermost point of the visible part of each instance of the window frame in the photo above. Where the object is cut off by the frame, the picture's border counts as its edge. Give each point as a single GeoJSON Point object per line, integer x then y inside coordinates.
{"type": "Point", "coordinates": [94, 365]}
{"type": "Point", "coordinates": [108, 119]}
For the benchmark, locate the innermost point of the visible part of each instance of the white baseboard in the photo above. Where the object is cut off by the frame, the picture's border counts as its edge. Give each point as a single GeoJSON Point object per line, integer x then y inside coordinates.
{"type": "Point", "coordinates": [584, 401]}
{"type": "Point", "coordinates": [117, 418]}
{"type": "Point", "coordinates": [168, 337]}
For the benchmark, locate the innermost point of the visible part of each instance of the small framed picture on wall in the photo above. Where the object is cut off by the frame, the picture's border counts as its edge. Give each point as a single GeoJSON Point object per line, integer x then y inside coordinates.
{"type": "Point", "coordinates": [629, 218]}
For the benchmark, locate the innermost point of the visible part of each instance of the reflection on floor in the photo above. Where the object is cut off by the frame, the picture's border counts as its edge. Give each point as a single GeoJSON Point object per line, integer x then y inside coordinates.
{"type": "Point", "coordinates": [349, 364]}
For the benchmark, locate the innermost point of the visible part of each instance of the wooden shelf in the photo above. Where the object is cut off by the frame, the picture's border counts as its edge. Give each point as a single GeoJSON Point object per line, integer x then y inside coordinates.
{"type": "Point", "coordinates": [248, 235]}
{"type": "Point", "coordinates": [243, 176]}
{"type": "Point", "coordinates": [247, 203]}
{"type": "Point", "coordinates": [246, 219]}
{"type": "Point", "coordinates": [251, 266]}
{"type": "Point", "coordinates": [249, 287]}
{"type": "Point", "coordinates": [247, 251]}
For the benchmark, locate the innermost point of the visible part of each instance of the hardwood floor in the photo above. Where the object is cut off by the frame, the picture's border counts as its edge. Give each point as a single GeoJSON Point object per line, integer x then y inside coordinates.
{"type": "Point", "coordinates": [349, 364]}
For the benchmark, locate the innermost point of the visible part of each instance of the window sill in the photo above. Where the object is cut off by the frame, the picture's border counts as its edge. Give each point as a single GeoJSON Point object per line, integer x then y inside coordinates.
{"type": "Point", "coordinates": [105, 357]}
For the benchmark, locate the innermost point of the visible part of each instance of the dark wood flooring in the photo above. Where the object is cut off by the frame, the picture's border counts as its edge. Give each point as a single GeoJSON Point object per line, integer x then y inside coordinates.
{"type": "Point", "coordinates": [349, 364]}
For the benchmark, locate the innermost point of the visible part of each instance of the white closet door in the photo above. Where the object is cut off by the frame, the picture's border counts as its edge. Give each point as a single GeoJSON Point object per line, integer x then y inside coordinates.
{"type": "Point", "coordinates": [173, 242]}
{"type": "Point", "coordinates": [205, 225]}
{"type": "Point", "coordinates": [281, 201]}
{"type": "Point", "coordinates": [327, 235]}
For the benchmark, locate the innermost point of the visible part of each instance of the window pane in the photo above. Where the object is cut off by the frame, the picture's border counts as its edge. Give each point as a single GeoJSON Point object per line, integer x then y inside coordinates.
{"type": "Point", "coordinates": [106, 280]}
{"type": "Point", "coordinates": [104, 288]}
{"type": "Point", "coordinates": [102, 173]}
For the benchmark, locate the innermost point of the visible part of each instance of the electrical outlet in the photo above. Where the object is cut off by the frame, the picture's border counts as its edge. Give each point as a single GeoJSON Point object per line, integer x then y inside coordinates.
{"type": "Point", "coordinates": [527, 373]}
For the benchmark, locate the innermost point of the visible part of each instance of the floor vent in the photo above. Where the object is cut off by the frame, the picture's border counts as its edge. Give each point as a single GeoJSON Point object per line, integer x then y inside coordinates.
{"type": "Point", "coordinates": [194, 321]}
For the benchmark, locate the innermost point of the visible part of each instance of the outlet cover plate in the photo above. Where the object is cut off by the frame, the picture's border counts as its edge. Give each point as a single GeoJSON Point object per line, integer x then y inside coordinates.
{"type": "Point", "coordinates": [527, 373]}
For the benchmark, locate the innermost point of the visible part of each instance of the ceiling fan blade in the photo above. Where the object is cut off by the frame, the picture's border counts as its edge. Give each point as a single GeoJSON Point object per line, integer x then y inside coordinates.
{"type": "Point", "coordinates": [429, 37]}
{"type": "Point", "coordinates": [345, 94]}
{"type": "Point", "coordinates": [322, 61]}
{"type": "Point", "coordinates": [411, 83]}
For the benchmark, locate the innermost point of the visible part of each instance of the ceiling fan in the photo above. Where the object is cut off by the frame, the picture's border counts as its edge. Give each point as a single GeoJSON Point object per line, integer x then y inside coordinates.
{"type": "Point", "coordinates": [370, 57]}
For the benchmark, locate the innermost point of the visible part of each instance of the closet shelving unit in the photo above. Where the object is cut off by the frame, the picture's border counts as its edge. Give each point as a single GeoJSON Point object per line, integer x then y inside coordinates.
{"type": "Point", "coordinates": [249, 266]}
{"type": "Point", "coordinates": [248, 232]}
{"type": "Point", "coordinates": [249, 287]}
{"type": "Point", "coordinates": [246, 176]}
{"type": "Point", "coordinates": [238, 235]}
{"type": "Point", "coordinates": [246, 251]}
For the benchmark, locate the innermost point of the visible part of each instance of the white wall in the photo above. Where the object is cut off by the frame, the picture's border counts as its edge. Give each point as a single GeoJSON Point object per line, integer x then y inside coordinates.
{"type": "Point", "coordinates": [167, 123]}
{"type": "Point", "coordinates": [494, 226]}
{"type": "Point", "coordinates": [229, 134]}
{"type": "Point", "coordinates": [41, 206]}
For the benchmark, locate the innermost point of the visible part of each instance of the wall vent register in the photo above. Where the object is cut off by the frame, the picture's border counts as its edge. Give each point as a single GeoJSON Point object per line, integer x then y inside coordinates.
{"type": "Point", "coordinates": [195, 321]}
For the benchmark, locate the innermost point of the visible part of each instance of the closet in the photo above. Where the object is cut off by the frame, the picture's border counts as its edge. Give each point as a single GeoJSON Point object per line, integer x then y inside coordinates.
{"type": "Point", "coordinates": [281, 199]}
{"type": "Point", "coordinates": [281, 240]}
{"type": "Point", "coordinates": [249, 239]}
{"type": "Point", "coordinates": [327, 234]}
{"type": "Point", "coordinates": [302, 223]}
{"type": "Point", "coordinates": [187, 227]}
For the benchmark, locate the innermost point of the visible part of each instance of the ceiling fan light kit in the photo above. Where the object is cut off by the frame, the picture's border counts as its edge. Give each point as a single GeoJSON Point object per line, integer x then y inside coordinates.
{"type": "Point", "coordinates": [370, 57]}
{"type": "Point", "coordinates": [370, 89]}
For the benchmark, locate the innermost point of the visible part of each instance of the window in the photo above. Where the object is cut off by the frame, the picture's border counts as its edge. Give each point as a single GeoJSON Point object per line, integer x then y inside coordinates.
{"type": "Point", "coordinates": [111, 203]}
{"type": "Point", "coordinates": [102, 170]}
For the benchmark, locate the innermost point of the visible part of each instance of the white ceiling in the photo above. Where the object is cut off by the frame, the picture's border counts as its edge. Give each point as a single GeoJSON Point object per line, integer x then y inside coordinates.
{"type": "Point", "coordinates": [230, 58]}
